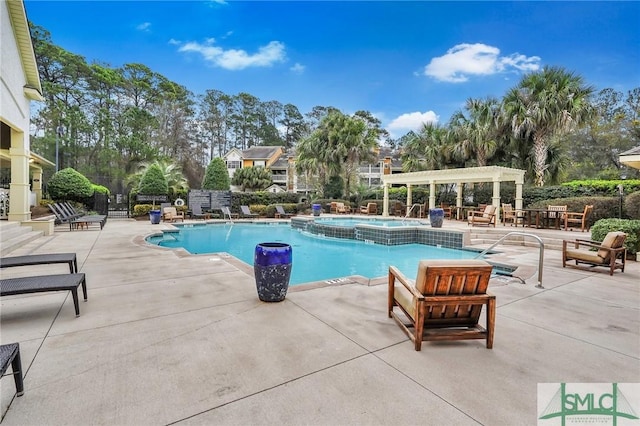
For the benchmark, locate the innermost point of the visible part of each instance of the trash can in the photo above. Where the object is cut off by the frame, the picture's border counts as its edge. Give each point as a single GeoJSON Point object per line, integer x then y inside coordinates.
{"type": "Point", "coordinates": [154, 215]}
{"type": "Point", "coordinates": [317, 208]}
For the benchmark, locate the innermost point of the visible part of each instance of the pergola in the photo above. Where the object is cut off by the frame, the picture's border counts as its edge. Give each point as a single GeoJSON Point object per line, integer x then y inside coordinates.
{"type": "Point", "coordinates": [494, 174]}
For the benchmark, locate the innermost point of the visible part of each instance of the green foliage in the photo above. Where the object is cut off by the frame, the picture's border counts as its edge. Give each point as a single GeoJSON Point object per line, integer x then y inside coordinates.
{"type": "Point", "coordinates": [261, 198]}
{"type": "Point", "coordinates": [68, 184]}
{"type": "Point", "coordinates": [631, 227]}
{"type": "Point", "coordinates": [142, 209]}
{"type": "Point", "coordinates": [334, 188]}
{"type": "Point", "coordinates": [605, 187]}
{"type": "Point", "coordinates": [153, 182]}
{"type": "Point", "coordinates": [216, 176]}
{"type": "Point", "coordinates": [99, 189]}
{"type": "Point", "coordinates": [252, 178]}
{"type": "Point", "coordinates": [270, 210]}
{"type": "Point", "coordinates": [632, 205]}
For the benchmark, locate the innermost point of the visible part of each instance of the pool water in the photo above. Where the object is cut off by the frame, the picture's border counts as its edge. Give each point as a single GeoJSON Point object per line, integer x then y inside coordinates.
{"type": "Point", "coordinates": [314, 258]}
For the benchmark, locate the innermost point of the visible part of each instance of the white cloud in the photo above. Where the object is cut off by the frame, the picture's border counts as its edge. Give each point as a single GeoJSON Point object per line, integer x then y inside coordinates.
{"type": "Point", "coordinates": [466, 59]}
{"type": "Point", "coordinates": [297, 68]}
{"type": "Point", "coordinates": [175, 42]}
{"type": "Point", "coordinates": [237, 59]}
{"type": "Point", "coordinates": [410, 121]}
{"type": "Point", "coordinates": [145, 26]}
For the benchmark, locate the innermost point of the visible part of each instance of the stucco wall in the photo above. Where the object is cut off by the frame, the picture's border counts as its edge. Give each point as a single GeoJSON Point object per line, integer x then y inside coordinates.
{"type": "Point", "coordinates": [14, 105]}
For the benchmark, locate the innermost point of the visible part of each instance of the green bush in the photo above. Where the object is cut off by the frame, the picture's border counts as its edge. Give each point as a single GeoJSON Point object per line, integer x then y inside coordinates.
{"type": "Point", "coordinates": [153, 182]}
{"type": "Point", "coordinates": [270, 210]}
{"type": "Point", "coordinates": [632, 205]}
{"type": "Point", "coordinates": [216, 176]}
{"type": "Point", "coordinates": [99, 189]}
{"type": "Point", "coordinates": [141, 209]}
{"type": "Point", "coordinates": [68, 184]}
{"type": "Point", "coordinates": [631, 227]}
{"type": "Point", "coordinates": [605, 187]}
{"type": "Point", "coordinates": [603, 207]}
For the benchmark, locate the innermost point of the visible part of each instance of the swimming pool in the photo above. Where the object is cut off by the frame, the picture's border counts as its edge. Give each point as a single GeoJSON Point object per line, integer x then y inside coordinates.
{"type": "Point", "coordinates": [315, 258]}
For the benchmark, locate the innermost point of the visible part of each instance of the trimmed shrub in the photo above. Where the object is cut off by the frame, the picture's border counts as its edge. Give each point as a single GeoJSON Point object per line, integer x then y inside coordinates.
{"type": "Point", "coordinates": [632, 205]}
{"type": "Point", "coordinates": [631, 227]}
{"type": "Point", "coordinates": [153, 182]}
{"type": "Point", "coordinates": [68, 184]}
{"type": "Point", "coordinates": [99, 189]}
{"type": "Point", "coordinates": [216, 176]}
{"type": "Point", "coordinates": [603, 207]}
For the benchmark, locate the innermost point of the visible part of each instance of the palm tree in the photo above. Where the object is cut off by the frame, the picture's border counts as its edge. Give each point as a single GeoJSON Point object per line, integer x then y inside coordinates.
{"type": "Point", "coordinates": [546, 103]}
{"type": "Point", "coordinates": [475, 133]}
{"type": "Point", "coordinates": [171, 171]}
{"type": "Point", "coordinates": [428, 149]}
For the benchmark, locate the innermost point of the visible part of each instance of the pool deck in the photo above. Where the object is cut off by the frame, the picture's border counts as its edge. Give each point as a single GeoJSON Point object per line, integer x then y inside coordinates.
{"type": "Point", "coordinates": [168, 338]}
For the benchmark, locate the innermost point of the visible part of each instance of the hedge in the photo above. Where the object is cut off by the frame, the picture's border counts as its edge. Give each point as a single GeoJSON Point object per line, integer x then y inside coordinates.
{"type": "Point", "coordinates": [631, 227]}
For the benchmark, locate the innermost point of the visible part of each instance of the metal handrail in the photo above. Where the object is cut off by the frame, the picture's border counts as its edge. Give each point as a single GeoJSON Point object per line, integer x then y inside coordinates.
{"type": "Point", "coordinates": [408, 215]}
{"type": "Point", "coordinates": [540, 258]}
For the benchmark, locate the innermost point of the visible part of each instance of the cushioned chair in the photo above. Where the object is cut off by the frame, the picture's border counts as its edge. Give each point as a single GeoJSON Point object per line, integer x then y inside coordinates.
{"type": "Point", "coordinates": [483, 217]}
{"type": "Point", "coordinates": [342, 209]}
{"type": "Point", "coordinates": [610, 253]}
{"type": "Point", "coordinates": [444, 302]}
{"type": "Point", "coordinates": [447, 210]}
{"type": "Point", "coordinates": [370, 208]}
{"type": "Point", "coordinates": [509, 215]}
{"type": "Point", "coordinates": [578, 219]}
{"type": "Point", "coordinates": [170, 214]}
{"type": "Point", "coordinates": [246, 212]}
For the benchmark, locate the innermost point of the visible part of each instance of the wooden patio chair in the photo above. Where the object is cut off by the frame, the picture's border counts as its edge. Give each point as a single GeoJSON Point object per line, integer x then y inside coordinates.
{"type": "Point", "coordinates": [511, 215]}
{"type": "Point", "coordinates": [556, 214]}
{"type": "Point", "coordinates": [610, 253]}
{"type": "Point", "coordinates": [370, 208]}
{"type": "Point", "coordinates": [341, 208]}
{"type": "Point", "coordinates": [444, 302]}
{"type": "Point", "coordinates": [483, 217]}
{"type": "Point", "coordinates": [170, 214]}
{"type": "Point", "coordinates": [447, 210]}
{"type": "Point", "coordinates": [578, 219]}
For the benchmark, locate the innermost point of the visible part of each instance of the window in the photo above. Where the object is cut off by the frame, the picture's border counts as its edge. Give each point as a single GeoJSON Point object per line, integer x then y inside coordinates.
{"type": "Point", "coordinates": [234, 164]}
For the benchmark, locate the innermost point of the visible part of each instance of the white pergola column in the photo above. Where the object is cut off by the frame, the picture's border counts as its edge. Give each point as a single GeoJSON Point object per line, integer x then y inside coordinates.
{"type": "Point", "coordinates": [409, 199]}
{"type": "Point", "coordinates": [495, 200]}
{"type": "Point", "coordinates": [385, 200]}
{"type": "Point", "coordinates": [432, 195]}
{"type": "Point", "coordinates": [459, 191]}
{"type": "Point", "coordinates": [36, 185]}
{"type": "Point", "coordinates": [519, 185]}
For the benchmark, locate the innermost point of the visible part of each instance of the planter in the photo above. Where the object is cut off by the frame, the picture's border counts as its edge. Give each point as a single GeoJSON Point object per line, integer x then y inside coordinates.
{"type": "Point", "coordinates": [317, 208]}
{"type": "Point", "coordinates": [154, 215]}
{"type": "Point", "coordinates": [272, 264]}
{"type": "Point", "coordinates": [436, 216]}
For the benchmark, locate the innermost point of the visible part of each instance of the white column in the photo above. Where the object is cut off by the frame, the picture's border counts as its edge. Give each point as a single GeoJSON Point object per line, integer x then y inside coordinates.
{"type": "Point", "coordinates": [495, 200]}
{"type": "Point", "coordinates": [385, 201]}
{"type": "Point", "coordinates": [37, 184]}
{"type": "Point", "coordinates": [519, 184]}
{"type": "Point", "coordinates": [459, 191]}
{"type": "Point", "coordinates": [409, 198]}
{"type": "Point", "coordinates": [432, 196]}
{"type": "Point", "coordinates": [19, 205]}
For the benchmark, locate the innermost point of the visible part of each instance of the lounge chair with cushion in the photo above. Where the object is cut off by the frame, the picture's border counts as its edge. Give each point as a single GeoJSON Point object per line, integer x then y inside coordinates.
{"type": "Point", "coordinates": [246, 212]}
{"type": "Point", "coordinates": [578, 219]}
{"type": "Point", "coordinates": [610, 253]}
{"type": "Point", "coordinates": [10, 355]}
{"type": "Point", "coordinates": [483, 217]}
{"type": "Point", "coordinates": [444, 302]}
{"type": "Point", "coordinates": [197, 213]}
{"type": "Point", "coordinates": [342, 209]}
{"type": "Point", "coordinates": [370, 208]}
{"type": "Point", "coordinates": [280, 213]}
{"type": "Point", "coordinates": [170, 214]}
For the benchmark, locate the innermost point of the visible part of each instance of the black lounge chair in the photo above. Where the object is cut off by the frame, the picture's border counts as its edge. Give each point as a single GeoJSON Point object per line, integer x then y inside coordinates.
{"type": "Point", "coordinates": [46, 283]}
{"type": "Point", "coordinates": [246, 212]}
{"type": "Point", "coordinates": [81, 217]}
{"type": "Point", "coordinates": [10, 354]}
{"type": "Point", "coordinates": [197, 213]}
{"type": "Point", "coordinates": [280, 213]}
{"type": "Point", "coordinates": [41, 259]}
{"type": "Point", "coordinates": [75, 219]}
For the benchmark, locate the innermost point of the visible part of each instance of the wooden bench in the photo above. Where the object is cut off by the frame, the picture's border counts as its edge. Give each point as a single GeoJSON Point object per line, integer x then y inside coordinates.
{"type": "Point", "coordinates": [45, 283]}
{"type": "Point", "coordinates": [10, 354]}
{"type": "Point", "coordinates": [41, 259]}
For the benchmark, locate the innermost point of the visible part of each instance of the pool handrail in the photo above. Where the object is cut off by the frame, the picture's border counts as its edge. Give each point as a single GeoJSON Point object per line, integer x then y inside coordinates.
{"type": "Point", "coordinates": [524, 234]}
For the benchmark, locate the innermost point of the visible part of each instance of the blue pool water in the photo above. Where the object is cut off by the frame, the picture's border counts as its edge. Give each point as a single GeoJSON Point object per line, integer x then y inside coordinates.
{"type": "Point", "coordinates": [314, 258]}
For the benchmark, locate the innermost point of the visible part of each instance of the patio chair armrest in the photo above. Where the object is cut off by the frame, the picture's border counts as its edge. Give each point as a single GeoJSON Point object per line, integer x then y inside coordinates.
{"type": "Point", "coordinates": [396, 274]}
{"type": "Point", "coordinates": [461, 299]}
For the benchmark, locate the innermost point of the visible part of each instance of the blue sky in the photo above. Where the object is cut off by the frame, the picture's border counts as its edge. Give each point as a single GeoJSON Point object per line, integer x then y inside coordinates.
{"type": "Point", "coordinates": [405, 62]}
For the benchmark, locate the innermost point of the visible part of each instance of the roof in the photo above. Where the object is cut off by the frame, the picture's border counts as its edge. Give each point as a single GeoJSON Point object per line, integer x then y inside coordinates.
{"type": "Point", "coordinates": [631, 157]}
{"type": "Point", "coordinates": [18, 16]}
{"type": "Point", "coordinates": [261, 152]}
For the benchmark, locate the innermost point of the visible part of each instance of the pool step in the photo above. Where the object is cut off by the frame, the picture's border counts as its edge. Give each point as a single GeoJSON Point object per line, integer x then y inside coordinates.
{"type": "Point", "coordinates": [13, 236]}
{"type": "Point", "coordinates": [489, 236]}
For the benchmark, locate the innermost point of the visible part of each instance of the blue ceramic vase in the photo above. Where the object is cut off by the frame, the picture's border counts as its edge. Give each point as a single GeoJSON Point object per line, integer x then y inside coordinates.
{"type": "Point", "coordinates": [272, 269]}
{"type": "Point", "coordinates": [436, 216]}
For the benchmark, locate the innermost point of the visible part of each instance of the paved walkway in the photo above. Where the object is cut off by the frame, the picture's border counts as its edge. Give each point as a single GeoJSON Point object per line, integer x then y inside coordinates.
{"type": "Point", "coordinates": [167, 339]}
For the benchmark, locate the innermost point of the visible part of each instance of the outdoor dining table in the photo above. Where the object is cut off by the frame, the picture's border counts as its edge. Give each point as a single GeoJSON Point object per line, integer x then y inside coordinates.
{"type": "Point", "coordinates": [542, 218]}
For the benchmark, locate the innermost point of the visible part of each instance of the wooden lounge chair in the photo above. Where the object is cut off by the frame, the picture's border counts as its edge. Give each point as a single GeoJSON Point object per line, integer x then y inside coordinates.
{"type": "Point", "coordinates": [444, 302]}
{"type": "Point", "coordinates": [578, 219]}
{"type": "Point", "coordinates": [483, 217]}
{"type": "Point", "coordinates": [41, 259]}
{"type": "Point", "coordinates": [170, 214]}
{"type": "Point", "coordinates": [610, 253]}
{"type": "Point", "coordinates": [370, 208]}
{"type": "Point", "coordinates": [342, 209]}
{"type": "Point", "coordinates": [10, 355]}
{"type": "Point", "coordinates": [280, 213]}
{"type": "Point", "coordinates": [46, 283]}
{"type": "Point", "coordinates": [246, 212]}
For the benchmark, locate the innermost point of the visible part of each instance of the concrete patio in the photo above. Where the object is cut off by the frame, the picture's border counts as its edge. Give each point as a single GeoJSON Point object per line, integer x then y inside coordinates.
{"type": "Point", "coordinates": [172, 339]}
